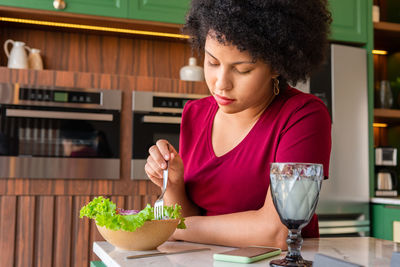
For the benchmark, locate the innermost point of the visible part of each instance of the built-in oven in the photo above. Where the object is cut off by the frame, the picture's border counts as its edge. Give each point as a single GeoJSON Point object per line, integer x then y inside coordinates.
{"type": "Point", "coordinates": [59, 133]}
{"type": "Point", "coordinates": [155, 116]}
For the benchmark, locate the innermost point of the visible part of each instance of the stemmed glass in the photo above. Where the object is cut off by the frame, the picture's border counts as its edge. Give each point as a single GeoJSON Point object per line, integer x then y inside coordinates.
{"type": "Point", "coordinates": [295, 189]}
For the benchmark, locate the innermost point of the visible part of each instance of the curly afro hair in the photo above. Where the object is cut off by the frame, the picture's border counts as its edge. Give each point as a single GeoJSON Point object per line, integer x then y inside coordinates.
{"type": "Point", "coordinates": [289, 35]}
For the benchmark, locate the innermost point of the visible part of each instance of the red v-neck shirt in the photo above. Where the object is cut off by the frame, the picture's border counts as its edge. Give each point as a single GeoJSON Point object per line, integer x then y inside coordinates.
{"type": "Point", "coordinates": [295, 127]}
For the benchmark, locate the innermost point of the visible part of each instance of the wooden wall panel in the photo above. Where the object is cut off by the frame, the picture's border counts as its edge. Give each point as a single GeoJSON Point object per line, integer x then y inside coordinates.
{"type": "Point", "coordinates": [44, 231]}
{"type": "Point", "coordinates": [90, 52]}
{"type": "Point", "coordinates": [24, 251]}
{"type": "Point", "coordinates": [8, 220]}
{"type": "Point", "coordinates": [94, 236]}
{"type": "Point", "coordinates": [80, 233]}
{"type": "Point", "coordinates": [47, 230]}
{"type": "Point", "coordinates": [62, 231]}
{"type": "Point", "coordinates": [380, 69]}
{"type": "Point", "coordinates": [134, 202]}
{"type": "Point", "coordinates": [381, 136]}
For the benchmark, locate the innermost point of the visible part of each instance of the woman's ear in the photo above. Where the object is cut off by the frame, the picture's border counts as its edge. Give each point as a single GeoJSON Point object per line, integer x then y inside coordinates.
{"type": "Point", "coordinates": [274, 74]}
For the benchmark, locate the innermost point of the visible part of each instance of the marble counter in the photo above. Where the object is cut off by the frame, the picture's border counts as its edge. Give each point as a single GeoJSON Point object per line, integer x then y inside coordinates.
{"type": "Point", "coordinates": [366, 251]}
{"type": "Point", "coordinates": [386, 200]}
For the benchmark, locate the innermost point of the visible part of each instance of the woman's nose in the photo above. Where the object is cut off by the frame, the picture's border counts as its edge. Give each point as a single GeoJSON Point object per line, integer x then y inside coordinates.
{"type": "Point", "coordinates": [223, 81]}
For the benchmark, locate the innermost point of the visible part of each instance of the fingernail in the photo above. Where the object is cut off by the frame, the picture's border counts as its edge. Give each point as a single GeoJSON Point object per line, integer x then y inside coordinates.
{"type": "Point", "coordinates": [163, 165]}
{"type": "Point", "coordinates": [166, 156]}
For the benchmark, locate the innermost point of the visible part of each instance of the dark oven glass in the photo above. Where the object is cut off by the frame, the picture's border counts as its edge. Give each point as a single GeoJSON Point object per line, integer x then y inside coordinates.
{"type": "Point", "coordinates": [146, 134]}
{"type": "Point", "coordinates": [58, 132]}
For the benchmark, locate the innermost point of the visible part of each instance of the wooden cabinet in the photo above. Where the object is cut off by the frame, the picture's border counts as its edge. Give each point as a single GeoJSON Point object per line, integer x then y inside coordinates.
{"type": "Point", "coordinates": [111, 8]}
{"type": "Point", "coordinates": [349, 20]}
{"type": "Point", "coordinates": [172, 11]}
{"type": "Point", "coordinates": [383, 218]}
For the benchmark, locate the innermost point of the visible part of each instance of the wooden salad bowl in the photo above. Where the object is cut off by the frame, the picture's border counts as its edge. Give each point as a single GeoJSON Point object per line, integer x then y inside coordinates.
{"type": "Point", "coordinates": [148, 237]}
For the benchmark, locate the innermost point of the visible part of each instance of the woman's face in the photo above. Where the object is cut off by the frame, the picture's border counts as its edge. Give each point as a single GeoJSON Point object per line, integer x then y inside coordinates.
{"type": "Point", "coordinates": [237, 82]}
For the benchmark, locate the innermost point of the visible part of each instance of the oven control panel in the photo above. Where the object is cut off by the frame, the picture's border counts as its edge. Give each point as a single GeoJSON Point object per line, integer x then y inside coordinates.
{"type": "Point", "coordinates": [59, 96]}
{"type": "Point", "coordinates": [169, 102]}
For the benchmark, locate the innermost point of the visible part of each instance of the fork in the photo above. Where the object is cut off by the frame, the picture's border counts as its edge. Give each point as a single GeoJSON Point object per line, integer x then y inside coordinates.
{"type": "Point", "coordinates": [159, 204]}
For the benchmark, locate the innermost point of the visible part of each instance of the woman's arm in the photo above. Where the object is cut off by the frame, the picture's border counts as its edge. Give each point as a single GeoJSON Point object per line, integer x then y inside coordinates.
{"type": "Point", "coordinates": [160, 154]}
{"type": "Point", "coordinates": [176, 193]}
{"type": "Point", "coordinates": [257, 227]}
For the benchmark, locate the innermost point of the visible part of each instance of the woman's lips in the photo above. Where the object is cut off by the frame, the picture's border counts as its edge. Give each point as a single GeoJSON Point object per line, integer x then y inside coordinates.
{"type": "Point", "coordinates": [223, 100]}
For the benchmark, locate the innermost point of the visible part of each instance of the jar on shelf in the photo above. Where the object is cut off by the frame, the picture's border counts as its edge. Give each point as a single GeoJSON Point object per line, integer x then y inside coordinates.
{"type": "Point", "coordinates": [385, 95]}
{"type": "Point", "coordinates": [375, 13]}
{"type": "Point", "coordinates": [395, 85]}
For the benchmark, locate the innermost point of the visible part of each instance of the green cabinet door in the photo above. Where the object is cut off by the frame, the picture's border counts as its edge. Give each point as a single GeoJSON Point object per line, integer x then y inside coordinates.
{"type": "Point", "coordinates": [383, 217]}
{"type": "Point", "coordinates": [111, 8]}
{"type": "Point", "coordinates": [377, 213]}
{"type": "Point", "coordinates": [349, 20]}
{"type": "Point", "coordinates": [172, 11]}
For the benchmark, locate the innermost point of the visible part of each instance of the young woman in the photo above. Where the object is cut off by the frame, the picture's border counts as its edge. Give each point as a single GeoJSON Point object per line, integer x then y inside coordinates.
{"type": "Point", "coordinates": [220, 176]}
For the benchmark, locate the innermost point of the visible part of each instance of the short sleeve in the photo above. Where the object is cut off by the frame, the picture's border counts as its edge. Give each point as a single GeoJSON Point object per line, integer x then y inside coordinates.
{"type": "Point", "coordinates": [306, 136]}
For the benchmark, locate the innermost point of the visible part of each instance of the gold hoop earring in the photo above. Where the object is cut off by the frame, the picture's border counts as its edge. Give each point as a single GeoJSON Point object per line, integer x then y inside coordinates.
{"type": "Point", "coordinates": [276, 86]}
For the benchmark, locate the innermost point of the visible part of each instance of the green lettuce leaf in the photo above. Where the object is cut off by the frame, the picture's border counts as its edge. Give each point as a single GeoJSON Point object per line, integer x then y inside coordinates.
{"type": "Point", "coordinates": [104, 211]}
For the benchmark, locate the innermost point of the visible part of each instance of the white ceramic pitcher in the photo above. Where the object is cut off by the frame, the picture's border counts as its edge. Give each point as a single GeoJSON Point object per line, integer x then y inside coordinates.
{"type": "Point", "coordinates": [34, 59]}
{"type": "Point", "coordinates": [17, 58]}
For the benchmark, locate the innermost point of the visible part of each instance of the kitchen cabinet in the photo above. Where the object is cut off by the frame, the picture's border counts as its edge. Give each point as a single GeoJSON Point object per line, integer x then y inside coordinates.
{"type": "Point", "coordinates": [172, 11]}
{"type": "Point", "coordinates": [387, 38]}
{"type": "Point", "coordinates": [111, 8]}
{"type": "Point", "coordinates": [349, 16]}
{"type": "Point", "coordinates": [383, 216]}
{"type": "Point", "coordinates": [387, 67]}
{"type": "Point", "coordinates": [349, 20]}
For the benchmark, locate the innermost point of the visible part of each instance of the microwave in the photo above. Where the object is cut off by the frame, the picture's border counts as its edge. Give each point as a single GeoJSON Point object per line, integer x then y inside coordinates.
{"type": "Point", "coordinates": [386, 156]}
{"type": "Point", "coordinates": [156, 116]}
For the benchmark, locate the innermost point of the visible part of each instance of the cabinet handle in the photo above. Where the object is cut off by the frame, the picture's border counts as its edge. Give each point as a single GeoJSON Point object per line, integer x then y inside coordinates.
{"type": "Point", "coordinates": [23, 113]}
{"type": "Point", "coordinates": [162, 119]}
{"type": "Point", "coordinates": [59, 4]}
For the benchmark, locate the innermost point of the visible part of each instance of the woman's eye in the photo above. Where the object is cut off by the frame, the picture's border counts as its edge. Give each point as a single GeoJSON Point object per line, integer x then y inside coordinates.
{"type": "Point", "coordinates": [212, 63]}
{"type": "Point", "coordinates": [243, 71]}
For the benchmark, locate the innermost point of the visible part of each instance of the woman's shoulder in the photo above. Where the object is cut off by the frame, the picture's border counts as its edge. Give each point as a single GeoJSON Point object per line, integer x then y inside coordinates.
{"type": "Point", "coordinates": [294, 106]}
{"type": "Point", "coordinates": [294, 96]}
{"type": "Point", "coordinates": [195, 118]}
{"type": "Point", "coordinates": [295, 100]}
{"type": "Point", "coordinates": [199, 106]}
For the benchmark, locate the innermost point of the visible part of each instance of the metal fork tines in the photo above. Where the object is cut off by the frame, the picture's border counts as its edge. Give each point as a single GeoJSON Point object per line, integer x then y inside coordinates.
{"type": "Point", "coordinates": [159, 204]}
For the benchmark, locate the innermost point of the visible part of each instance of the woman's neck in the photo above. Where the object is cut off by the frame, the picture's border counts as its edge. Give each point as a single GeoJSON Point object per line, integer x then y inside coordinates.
{"type": "Point", "coordinates": [249, 116]}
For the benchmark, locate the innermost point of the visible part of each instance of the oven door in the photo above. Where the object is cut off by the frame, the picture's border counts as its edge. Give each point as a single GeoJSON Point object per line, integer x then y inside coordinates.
{"type": "Point", "coordinates": [147, 129]}
{"type": "Point", "coordinates": [54, 142]}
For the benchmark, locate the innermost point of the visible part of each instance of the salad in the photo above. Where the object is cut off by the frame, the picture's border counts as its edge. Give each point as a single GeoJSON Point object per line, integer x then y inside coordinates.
{"type": "Point", "coordinates": [106, 213]}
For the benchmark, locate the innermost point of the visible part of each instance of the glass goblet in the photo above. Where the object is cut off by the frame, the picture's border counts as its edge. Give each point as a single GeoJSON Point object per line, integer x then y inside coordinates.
{"type": "Point", "coordinates": [295, 189]}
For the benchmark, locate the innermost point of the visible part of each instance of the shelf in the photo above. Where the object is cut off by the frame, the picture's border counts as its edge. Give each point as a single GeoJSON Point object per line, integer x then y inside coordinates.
{"type": "Point", "coordinates": [387, 115]}
{"type": "Point", "coordinates": [61, 78]}
{"type": "Point", "coordinates": [98, 22]}
{"type": "Point", "coordinates": [387, 26]}
{"type": "Point", "coordinates": [387, 36]}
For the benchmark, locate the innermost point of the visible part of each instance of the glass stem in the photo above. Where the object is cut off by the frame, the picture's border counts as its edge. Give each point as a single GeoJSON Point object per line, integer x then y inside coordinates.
{"type": "Point", "coordinates": [294, 242]}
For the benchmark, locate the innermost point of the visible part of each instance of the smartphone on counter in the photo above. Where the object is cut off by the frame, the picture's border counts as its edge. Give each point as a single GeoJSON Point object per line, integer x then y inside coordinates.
{"type": "Point", "coordinates": [247, 254]}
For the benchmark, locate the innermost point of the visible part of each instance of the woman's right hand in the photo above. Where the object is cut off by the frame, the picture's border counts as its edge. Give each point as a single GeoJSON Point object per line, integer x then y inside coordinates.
{"type": "Point", "coordinates": [159, 154]}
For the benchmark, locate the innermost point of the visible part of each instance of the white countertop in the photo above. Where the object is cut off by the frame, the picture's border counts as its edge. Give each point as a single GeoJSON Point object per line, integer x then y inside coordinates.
{"type": "Point", "coordinates": [366, 251]}
{"type": "Point", "coordinates": [386, 200]}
